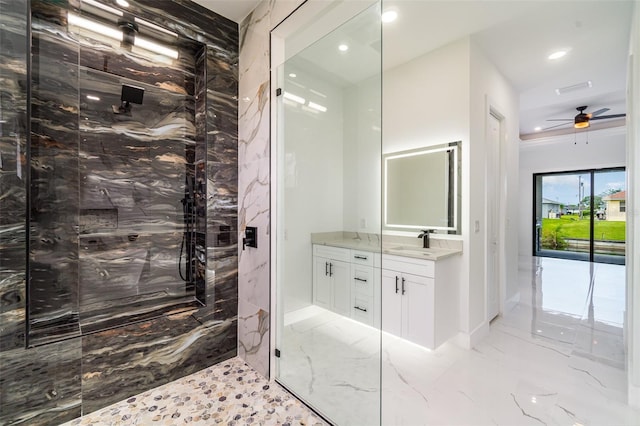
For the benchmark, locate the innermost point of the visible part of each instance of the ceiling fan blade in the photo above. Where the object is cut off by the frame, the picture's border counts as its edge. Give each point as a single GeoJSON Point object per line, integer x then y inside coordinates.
{"type": "Point", "coordinates": [604, 117]}
{"type": "Point", "coordinates": [553, 127]}
{"type": "Point", "coordinates": [560, 119]}
{"type": "Point", "coordinates": [598, 112]}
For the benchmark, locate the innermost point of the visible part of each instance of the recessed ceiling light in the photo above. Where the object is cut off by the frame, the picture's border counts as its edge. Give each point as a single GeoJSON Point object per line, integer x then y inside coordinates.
{"type": "Point", "coordinates": [123, 3]}
{"type": "Point", "coordinates": [537, 129]}
{"type": "Point", "coordinates": [389, 16]}
{"type": "Point", "coordinates": [557, 55]}
{"type": "Point", "coordinates": [343, 47]}
{"type": "Point", "coordinates": [292, 75]}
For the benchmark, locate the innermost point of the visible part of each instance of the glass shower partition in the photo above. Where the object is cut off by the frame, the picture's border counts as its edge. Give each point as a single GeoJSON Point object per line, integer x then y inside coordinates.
{"type": "Point", "coordinates": [328, 233]}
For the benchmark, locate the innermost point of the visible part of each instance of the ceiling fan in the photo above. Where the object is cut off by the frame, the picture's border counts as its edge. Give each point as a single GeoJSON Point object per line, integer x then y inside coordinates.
{"type": "Point", "coordinates": [581, 121]}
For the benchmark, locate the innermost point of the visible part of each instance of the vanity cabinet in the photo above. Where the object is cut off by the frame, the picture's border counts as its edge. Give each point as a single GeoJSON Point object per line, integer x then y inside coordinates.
{"type": "Point", "coordinates": [347, 282]}
{"type": "Point", "coordinates": [407, 306]}
{"type": "Point", "coordinates": [419, 299]}
{"type": "Point", "coordinates": [332, 279]}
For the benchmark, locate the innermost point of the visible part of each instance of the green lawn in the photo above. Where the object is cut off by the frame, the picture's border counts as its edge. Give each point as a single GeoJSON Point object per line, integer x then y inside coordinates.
{"type": "Point", "coordinates": [570, 226]}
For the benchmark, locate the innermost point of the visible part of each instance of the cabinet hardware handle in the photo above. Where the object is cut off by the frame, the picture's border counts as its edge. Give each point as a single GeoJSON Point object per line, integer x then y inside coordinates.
{"type": "Point", "coordinates": [326, 266]}
{"type": "Point", "coordinates": [403, 290]}
{"type": "Point", "coordinates": [360, 309]}
{"type": "Point", "coordinates": [396, 285]}
{"type": "Point", "coordinates": [360, 279]}
{"type": "Point", "coordinates": [330, 269]}
{"type": "Point", "coordinates": [360, 257]}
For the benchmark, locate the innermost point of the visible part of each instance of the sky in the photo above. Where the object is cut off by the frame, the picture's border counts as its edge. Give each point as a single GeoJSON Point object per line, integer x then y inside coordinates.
{"type": "Point", "coordinates": [564, 188]}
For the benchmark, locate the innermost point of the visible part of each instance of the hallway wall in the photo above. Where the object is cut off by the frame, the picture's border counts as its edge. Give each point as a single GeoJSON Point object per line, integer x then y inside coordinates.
{"type": "Point", "coordinates": [56, 382]}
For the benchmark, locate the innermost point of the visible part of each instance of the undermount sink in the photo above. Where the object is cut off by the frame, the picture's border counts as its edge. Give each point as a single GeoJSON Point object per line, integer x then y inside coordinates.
{"type": "Point", "coordinates": [412, 250]}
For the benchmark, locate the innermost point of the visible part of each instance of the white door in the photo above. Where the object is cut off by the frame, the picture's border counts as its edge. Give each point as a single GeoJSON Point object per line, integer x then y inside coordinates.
{"type": "Point", "coordinates": [391, 303]}
{"type": "Point", "coordinates": [340, 274]}
{"type": "Point", "coordinates": [493, 213]}
{"type": "Point", "coordinates": [417, 309]}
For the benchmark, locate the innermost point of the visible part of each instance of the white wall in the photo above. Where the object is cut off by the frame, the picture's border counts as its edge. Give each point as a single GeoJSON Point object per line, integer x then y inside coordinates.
{"type": "Point", "coordinates": [606, 148]}
{"type": "Point", "coordinates": [313, 177]}
{"type": "Point", "coordinates": [362, 158]}
{"type": "Point", "coordinates": [426, 100]}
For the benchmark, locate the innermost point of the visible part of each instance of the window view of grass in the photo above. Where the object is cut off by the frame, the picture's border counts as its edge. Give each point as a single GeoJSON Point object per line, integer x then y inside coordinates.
{"type": "Point", "coordinates": [556, 232]}
{"type": "Point", "coordinates": [565, 213]}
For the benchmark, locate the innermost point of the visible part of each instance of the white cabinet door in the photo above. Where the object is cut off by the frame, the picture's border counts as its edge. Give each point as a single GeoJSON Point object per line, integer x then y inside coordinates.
{"type": "Point", "coordinates": [391, 303]}
{"type": "Point", "coordinates": [417, 309]}
{"type": "Point", "coordinates": [340, 275]}
{"type": "Point", "coordinates": [321, 282]}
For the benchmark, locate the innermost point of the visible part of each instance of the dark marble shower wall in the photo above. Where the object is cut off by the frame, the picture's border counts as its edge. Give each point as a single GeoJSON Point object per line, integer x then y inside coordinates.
{"type": "Point", "coordinates": [106, 209]}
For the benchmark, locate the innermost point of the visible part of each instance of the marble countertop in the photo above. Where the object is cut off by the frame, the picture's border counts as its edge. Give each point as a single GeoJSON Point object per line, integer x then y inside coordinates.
{"type": "Point", "coordinates": [392, 247]}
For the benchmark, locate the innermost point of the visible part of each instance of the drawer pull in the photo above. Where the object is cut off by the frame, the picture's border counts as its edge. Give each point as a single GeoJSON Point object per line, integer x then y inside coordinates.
{"type": "Point", "coordinates": [396, 285]}
{"type": "Point", "coordinates": [326, 268]}
{"type": "Point", "coordinates": [360, 309]}
{"type": "Point", "coordinates": [360, 279]}
{"type": "Point", "coordinates": [403, 290]}
{"type": "Point", "coordinates": [360, 257]}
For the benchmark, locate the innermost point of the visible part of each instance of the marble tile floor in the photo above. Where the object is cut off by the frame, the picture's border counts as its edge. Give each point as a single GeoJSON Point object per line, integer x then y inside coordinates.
{"type": "Point", "coordinates": [230, 393]}
{"type": "Point", "coordinates": [557, 357]}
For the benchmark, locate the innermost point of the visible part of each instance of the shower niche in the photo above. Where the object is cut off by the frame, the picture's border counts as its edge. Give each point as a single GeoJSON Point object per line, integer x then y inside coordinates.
{"type": "Point", "coordinates": [118, 173]}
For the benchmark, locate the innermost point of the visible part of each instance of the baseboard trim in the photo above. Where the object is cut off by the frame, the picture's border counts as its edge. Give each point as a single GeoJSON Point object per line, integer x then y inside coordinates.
{"type": "Point", "coordinates": [470, 340]}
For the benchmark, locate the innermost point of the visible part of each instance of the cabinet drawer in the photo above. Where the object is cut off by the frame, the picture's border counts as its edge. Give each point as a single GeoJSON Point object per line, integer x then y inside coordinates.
{"type": "Point", "coordinates": [330, 252]}
{"type": "Point", "coordinates": [362, 309]}
{"type": "Point", "coordinates": [362, 279]}
{"type": "Point", "coordinates": [362, 257]}
{"type": "Point", "coordinates": [425, 268]}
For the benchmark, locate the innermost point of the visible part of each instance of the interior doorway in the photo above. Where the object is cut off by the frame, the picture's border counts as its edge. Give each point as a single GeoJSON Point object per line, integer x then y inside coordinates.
{"type": "Point", "coordinates": [580, 215]}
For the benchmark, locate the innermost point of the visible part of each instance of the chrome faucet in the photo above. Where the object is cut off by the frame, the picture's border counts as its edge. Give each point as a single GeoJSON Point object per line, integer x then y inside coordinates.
{"type": "Point", "coordinates": [425, 237]}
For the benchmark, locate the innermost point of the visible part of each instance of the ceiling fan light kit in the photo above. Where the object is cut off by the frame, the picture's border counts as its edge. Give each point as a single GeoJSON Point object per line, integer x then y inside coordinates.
{"type": "Point", "coordinates": [582, 119]}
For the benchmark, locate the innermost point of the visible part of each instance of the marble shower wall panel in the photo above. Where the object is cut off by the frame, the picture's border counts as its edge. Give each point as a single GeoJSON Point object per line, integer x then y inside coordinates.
{"type": "Point", "coordinates": [254, 285]}
{"type": "Point", "coordinates": [128, 360]}
{"type": "Point", "coordinates": [53, 291]}
{"type": "Point", "coordinates": [13, 172]}
{"type": "Point", "coordinates": [52, 383]}
{"type": "Point", "coordinates": [40, 386]}
{"type": "Point", "coordinates": [133, 168]}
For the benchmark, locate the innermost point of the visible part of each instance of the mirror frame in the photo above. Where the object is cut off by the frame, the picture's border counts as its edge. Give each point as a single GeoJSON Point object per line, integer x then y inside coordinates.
{"type": "Point", "coordinates": [454, 188]}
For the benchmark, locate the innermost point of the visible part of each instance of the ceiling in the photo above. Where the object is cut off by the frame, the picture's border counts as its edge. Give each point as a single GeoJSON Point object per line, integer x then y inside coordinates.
{"type": "Point", "coordinates": [236, 10]}
{"type": "Point", "coordinates": [517, 36]}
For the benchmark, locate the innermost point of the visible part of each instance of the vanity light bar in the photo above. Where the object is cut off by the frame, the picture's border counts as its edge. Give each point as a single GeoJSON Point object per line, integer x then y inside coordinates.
{"type": "Point", "coordinates": [94, 26]}
{"type": "Point", "coordinates": [295, 98]}
{"type": "Point", "coordinates": [155, 27]}
{"type": "Point", "coordinates": [103, 7]}
{"type": "Point", "coordinates": [155, 47]}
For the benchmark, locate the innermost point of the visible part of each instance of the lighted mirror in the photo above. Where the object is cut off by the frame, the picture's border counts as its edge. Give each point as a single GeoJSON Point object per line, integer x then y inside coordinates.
{"type": "Point", "coordinates": [422, 189]}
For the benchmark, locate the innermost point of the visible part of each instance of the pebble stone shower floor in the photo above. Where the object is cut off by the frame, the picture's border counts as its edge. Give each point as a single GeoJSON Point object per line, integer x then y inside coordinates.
{"type": "Point", "coordinates": [230, 393]}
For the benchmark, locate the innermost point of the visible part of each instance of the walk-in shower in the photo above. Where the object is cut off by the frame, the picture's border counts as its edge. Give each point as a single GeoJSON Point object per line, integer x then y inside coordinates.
{"type": "Point", "coordinates": [118, 187]}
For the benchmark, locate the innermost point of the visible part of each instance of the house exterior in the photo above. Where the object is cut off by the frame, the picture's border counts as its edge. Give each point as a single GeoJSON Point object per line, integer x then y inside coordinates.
{"type": "Point", "coordinates": [616, 206]}
{"type": "Point", "coordinates": [551, 209]}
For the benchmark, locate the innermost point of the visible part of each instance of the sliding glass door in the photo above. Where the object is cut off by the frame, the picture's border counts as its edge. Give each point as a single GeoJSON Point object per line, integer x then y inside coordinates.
{"type": "Point", "coordinates": [580, 215]}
